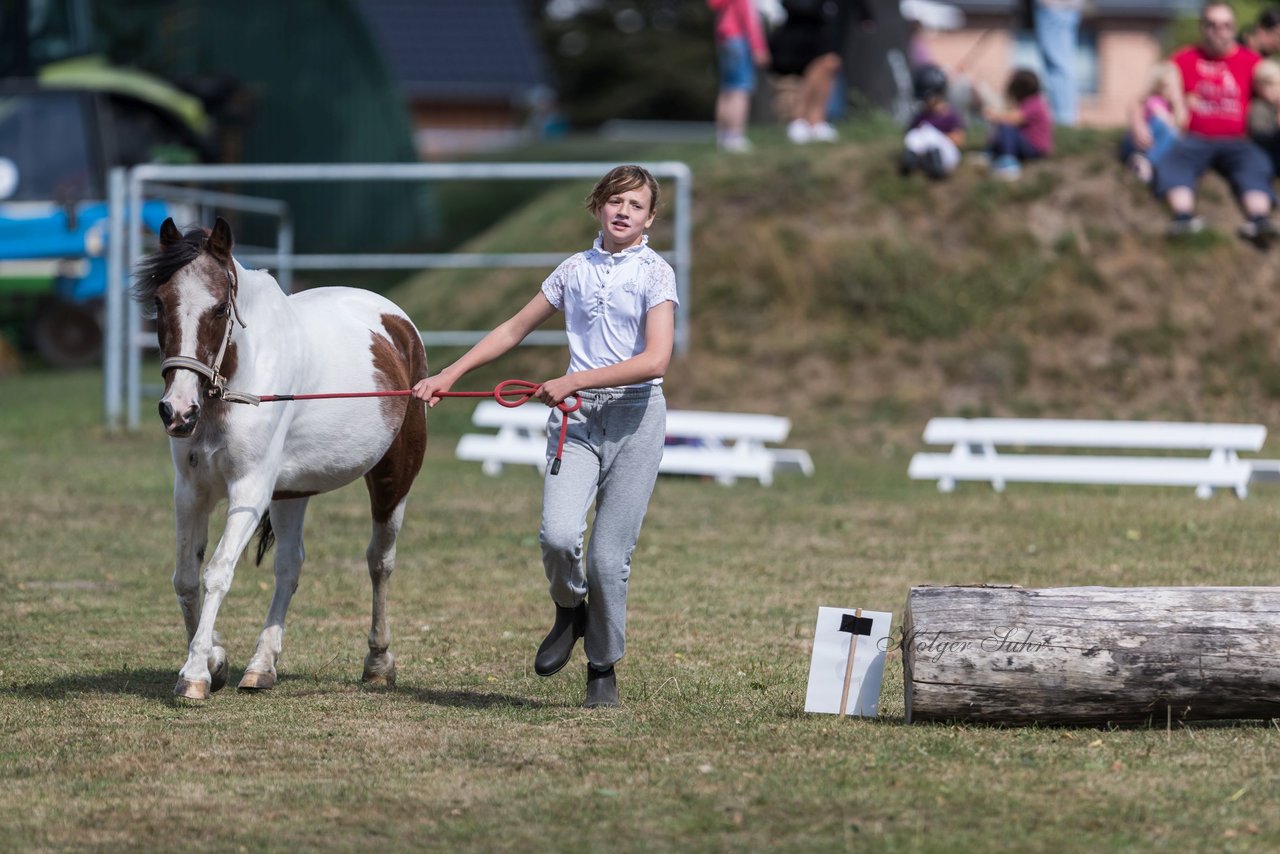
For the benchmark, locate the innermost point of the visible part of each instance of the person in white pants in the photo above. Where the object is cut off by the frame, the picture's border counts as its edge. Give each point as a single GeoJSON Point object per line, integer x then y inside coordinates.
{"type": "Point", "coordinates": [619, 300]}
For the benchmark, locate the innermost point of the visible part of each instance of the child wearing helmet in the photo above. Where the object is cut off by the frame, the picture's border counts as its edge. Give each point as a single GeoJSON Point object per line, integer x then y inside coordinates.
{"type": "Point", "coordinates": [933, 140]}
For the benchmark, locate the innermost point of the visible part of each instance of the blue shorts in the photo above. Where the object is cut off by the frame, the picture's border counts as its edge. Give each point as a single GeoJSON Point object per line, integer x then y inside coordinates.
{"type": "Point", "coordinates": [737, 68]}
{"type": "Point", "coordinates": [1240, 161]}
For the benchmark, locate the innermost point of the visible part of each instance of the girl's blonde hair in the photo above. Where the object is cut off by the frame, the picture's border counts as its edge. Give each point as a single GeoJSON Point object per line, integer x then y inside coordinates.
{"type": "Point", "coordinates": [1268, 71]}
{"type": "Point", "coordinates": [1162, 76]}
{"type": "Point", "coordinates": [620, 179]}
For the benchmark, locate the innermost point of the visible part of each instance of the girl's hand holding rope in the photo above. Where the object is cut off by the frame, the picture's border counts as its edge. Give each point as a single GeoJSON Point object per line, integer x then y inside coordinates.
{"type": "Point", "coordinates": [510, 393]}
{"type": "Point", "coordinates": [431, 388]}
{"type": "Point", "coordinates": [554, 392]}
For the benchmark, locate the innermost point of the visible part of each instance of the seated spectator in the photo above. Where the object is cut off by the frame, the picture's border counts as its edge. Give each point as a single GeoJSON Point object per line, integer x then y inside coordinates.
{"type": "Point", "coordinates": [1264, 111]}
{"type": "Point", "coordinates": [1155, 122]}
{"type": "Point", "coordinates": [1022, 131]}
{"type": "Point", "coordinates": [935, 134]}
{"type": "Point", "coordinates": [1217, 81]}
{"type": "Point", "coordinates": [1263, 38]}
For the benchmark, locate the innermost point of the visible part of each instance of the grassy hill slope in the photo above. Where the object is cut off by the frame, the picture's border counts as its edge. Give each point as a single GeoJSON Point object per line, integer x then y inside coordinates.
{"type": "Point", "coordinates": [826, 285]}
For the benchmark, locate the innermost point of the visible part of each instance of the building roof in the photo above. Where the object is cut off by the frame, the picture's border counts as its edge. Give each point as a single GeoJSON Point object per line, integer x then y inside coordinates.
{"type": "Point", "coordinates": [1159, 9]}
{"type": "Point", "coordinates": [458, 50]}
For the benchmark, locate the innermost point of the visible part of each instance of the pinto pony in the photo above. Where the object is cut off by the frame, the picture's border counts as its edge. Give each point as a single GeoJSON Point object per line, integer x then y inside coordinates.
{"type": "Point", "coordinates": [220, 324]}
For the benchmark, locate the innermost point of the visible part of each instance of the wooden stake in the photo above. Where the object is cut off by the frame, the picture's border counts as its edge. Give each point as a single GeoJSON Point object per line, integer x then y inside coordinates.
{"type": "Point", "coordinates": [848, 668]}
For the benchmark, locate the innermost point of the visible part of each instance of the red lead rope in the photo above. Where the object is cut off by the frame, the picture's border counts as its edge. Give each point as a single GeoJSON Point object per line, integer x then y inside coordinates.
{"type": "Point", "coordinates": [509, 393]}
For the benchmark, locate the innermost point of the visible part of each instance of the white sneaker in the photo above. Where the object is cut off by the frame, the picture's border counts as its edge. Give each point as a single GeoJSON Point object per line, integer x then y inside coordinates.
{"type": "Point", "coordinates": [1006, 168]}
{"type": "Point", "coordinates": [823, 132]}
{"type": "Point", "coordinates": [735, 144]}
{"type": "Point", "coordinates": [799, 132]}
{"type": "Point", "coordinates": [1141, 166]}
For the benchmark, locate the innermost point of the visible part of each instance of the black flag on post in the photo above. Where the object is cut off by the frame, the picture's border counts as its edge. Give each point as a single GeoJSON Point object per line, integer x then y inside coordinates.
{"type": "Point", "coordinates": [855, 625]}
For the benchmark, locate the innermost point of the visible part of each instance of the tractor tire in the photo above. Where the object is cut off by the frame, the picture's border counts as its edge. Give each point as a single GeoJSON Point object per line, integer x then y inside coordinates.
{"type": "Point", "coordinates": [67, 335]}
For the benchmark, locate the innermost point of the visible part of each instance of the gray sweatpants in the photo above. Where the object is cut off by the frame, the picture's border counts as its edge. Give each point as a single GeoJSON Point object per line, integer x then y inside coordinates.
{"type": "Point", "coordinates": [611, 457]}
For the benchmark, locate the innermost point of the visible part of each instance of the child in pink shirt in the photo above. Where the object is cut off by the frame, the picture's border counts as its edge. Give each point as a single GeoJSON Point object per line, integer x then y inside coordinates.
{"type": "Point", "coordinates": [1021, 132]}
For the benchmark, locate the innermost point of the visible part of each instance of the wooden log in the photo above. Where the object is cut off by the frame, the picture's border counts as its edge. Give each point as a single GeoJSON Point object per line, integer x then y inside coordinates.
{"type": "Point", "coordinates": [1091, 655]}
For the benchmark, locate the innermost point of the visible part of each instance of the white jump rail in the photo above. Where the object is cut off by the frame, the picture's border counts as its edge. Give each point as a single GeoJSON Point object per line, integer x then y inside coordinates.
{"type": "Point", "coordinates": [974, 455]}
{"type": "Point", "coordinates": [723, 445]}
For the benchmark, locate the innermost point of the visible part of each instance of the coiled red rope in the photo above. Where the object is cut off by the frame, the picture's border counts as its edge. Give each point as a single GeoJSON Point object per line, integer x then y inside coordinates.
{"type": "Point", "coordinates": [508, 393]}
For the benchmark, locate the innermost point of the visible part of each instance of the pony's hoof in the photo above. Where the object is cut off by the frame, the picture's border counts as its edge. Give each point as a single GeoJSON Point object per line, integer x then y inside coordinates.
{"type": "Point", "coordinates": [218, 669]}
{"type": "Point", "coordinates": [380, 670]}
{"type": "Point", "coordinates": [191, 689]}
{"type": "Point", "coordinates": [256, 680]}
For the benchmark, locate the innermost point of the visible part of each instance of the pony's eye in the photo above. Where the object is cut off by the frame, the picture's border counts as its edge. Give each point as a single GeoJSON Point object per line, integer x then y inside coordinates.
{"type": "Point", "coordinates": [220, 310]}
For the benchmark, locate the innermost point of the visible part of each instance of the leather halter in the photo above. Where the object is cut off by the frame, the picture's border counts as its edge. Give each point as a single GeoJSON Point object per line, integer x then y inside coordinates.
{"type": "Point", "coordinates": [212, 372]}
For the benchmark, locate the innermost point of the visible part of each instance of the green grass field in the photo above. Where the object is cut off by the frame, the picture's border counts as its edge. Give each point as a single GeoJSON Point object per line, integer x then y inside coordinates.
{"type": "Point", "coordinates": [711, 751]}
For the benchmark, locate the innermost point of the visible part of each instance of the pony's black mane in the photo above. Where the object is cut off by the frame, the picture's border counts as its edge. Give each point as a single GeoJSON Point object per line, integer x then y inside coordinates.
{"type": "Point", "coordinates": [161, 266]}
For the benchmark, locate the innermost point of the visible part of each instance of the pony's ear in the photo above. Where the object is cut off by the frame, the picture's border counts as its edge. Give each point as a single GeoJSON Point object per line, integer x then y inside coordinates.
{"type": "Point", "coordinates": [221, 241]}
{"type": "Point", "coordinates": [169, 234]}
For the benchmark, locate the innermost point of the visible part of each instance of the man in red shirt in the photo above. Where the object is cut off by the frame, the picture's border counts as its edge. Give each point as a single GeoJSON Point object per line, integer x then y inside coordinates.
{"type": "Point", "coordinates": [1217, 77]}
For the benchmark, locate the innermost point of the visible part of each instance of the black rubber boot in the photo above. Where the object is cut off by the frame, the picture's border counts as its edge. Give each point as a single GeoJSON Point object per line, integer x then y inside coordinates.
{"type": "Point", "coordinates": [908, 162]}
{"type": "Point", "coordinates": [557, 646]}
{"type": "Point", "coordinates": [602, 688]}
{"type": "Point", "coordinates": [931, 165]}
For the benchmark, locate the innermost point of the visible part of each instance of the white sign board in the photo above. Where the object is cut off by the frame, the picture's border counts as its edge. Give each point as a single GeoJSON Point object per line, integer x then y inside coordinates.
{"type": "Point", "coordinates": [841, 631]}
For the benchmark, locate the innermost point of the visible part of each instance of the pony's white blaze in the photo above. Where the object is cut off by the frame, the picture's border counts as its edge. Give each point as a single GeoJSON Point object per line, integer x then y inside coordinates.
{"type": "Point", "coordinates": [183, 390]}
{"type": "Point", "coordinates": [274, 456]}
